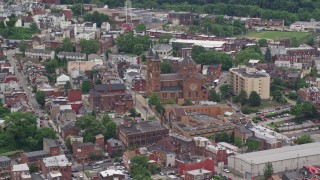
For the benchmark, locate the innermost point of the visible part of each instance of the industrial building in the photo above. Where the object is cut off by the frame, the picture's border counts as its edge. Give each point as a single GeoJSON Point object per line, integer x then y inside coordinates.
{"type": "Point", "coordinates": [282, 159]}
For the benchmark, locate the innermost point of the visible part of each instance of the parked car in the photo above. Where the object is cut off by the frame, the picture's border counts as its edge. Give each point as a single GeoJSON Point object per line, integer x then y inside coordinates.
{"type": "Point", "coordinates": [95, 167]}
{"type": "Point", "coordinates": [226, 170]}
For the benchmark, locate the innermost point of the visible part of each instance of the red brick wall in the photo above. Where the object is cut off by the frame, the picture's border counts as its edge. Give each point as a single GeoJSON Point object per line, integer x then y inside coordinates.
{"type": "Point", "coordinates": [74, 95]}
{"type": "Point", "coordinates": [69, 132]}
{"type": "Point", "coordinates": [55, 151]}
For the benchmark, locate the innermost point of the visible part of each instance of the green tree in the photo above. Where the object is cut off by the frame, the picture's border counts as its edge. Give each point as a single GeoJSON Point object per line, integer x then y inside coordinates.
{"type": "Point", "coordinates": [2, 25]}
{"type": "Point", "coordinates": [90, 126]}
{"type": "Point", "coordinates": [41, 98]}
{"type": "Point", "coordinates": [86, 86]}
{"type": "Point", "coordinates": [268, 170]}
{"type": "Point", "coordinates": [311, 41]}
{"type": "Point", "coordinates": [165, 67]}
{"type": "Point", "coordinates": [242, 97]}
{"type": "Point", "coordinates": [279, 96]}
{"type": "Point", "coordinates": [34, 27]}
{"type": "Point", "coordinates": [51, 66]}
{"type": "Point", "coordinates": [297, 110]}
{"type": "Point", "coordinates": [126, 42]}
{"type": "Point", "coordinates": [140, 28]}
{"type": "Point", "coordinates": [301, 83]}
{"type": "Point", "coordinates": [67, 142]}
{"type": "Point", "coordinates": [11, 23]}
{"type": "Point", "coordinates": [252, 145]}
{"type": "Point", "coordinates": [304, 139]}
{"type": "Point", "coordinates": [294, 42]}
{"type": "Point", "coordinates": [165, 38]}
{"type": "Point", "coordinates": [67, 45]}
{"type": "Point", "coordinates": [222, 137]}
{"type": "Point", "coordinates": [110, 126]}
{"type": "Point", "coordinates": [67, 86]}
{"type": "Point", "coordinates": [89, 46]}
{"type": "Point", "coordinates": [23, 46]}
{"type": "Point", "coordinates": [108, 51]}
{"type": "Point", "coordinates": [143, 58]}
{"type": "Point", "coordinates": [267, 55]}
{"type": "Point", "coordinates": [96, 17]}
{"type": "Point", "coordinates": [154, 99]}
{"type": "Point", "coordinates": [244, 56]}
{"type": "Point", "coordinates": [254, 99]}
{"type": "Point", "coordinates": [138, 49]}
{"type": "Point", "coordinates": [309, 109]}
{"type": "Point", "coordinates": [214, 96]}
{"type": "Point", "coordinates": [139, 167]}
{"type": "Point", "coordinates": [262, 42]}
{"type": "Point", "coordinates": [187, 102]}
{"type": "Point", "coordinates": [224, 91]}
{"type": "Point", "coordinates": [98, 81]}
{"type": "Point", "coordinates": [77, 9]}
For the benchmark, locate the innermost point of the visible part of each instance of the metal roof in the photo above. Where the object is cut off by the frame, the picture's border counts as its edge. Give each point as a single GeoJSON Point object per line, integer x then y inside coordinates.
{"type": "Point", "coordinates": [284, 153]}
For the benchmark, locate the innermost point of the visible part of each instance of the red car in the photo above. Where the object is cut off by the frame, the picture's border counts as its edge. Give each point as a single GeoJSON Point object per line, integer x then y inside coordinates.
{"type": "Point", "coordinates": [261, 114]}
{"type": "Point", "coordinates": [265, 119]}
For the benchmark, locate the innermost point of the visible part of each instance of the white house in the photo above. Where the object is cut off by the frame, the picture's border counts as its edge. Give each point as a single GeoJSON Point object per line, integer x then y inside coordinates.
{"type": "Point", "coordinates": [72, 56]}
{"type": "Point", "coordinates": [163, 50]}
{"type": "Point", "coordinates": [62, 79]}
{"type": "Point", "coordinates": [282, 64]}
{"type": "Point", "coordinates": [94, 57]}
{"type": "Point", "coordinates": [86, 36]}
{"type": "Point", "coordinates": [40, 53]}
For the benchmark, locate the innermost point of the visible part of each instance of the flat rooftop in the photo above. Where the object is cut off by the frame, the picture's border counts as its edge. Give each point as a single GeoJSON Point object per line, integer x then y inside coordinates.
{"type": "Point", "coordinates": [203, 117]}
{"type": "Point", "coordinates": [244, 73]}
{"type": "Point", "coordinates": [206, 44]}
{"type": "Point", "coordinates": [143, 127]}
{"type": "Point", "coordinates": [202, 127]}
{"type": "Point", "coordinates": [56, 161]}
{"type": "Point", "coordinates": [279, 154]}
{"type": "Point", "coordinates": [198, 172]}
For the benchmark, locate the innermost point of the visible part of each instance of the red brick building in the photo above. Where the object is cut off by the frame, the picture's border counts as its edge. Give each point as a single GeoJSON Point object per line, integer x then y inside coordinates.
{"type": "Point", "coordinates": [212, 72]}
{"type": "Point", "coordinates": [56, 168]}
{"type": "Point", "coordinates": [34, 157]}
{"type": "Point", "coordinates": [74, 95]}
{"type": "Point", "coordinates": [139, 84]}
{"type": "Point", "coordinates": [108, 97]}
{"type": "Point", "coordinates": [207, 164]}
{"type": "Point", "coordinates": [114, 146]}
{"type": "Point", "coordinates": [51, 146]}
{"type": "Point", "coordinates": [141, 134]}
{"type": "Point", "coordinates": [20, 172]}
{"type": "Point", "coordinates": [69, 130]}
{"type": "Point", "coordinates": [81, 151]}
{"type": "Point", "coordinates": [186, 83]}
{"type": "Point", "coordinates": [100, 141]}
{"type": "Point", "coordinates": [309, 94]}
{"type": "Point", "coordinates": [272, 23]}
{"type": "Point", "coordinates": [11, 98]}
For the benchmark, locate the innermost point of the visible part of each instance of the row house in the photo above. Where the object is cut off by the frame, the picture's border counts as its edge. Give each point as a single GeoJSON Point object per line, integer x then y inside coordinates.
{"type": "Point", "coordinates": [271, 23]}
{"type": "Point", "coordinates": [11, 98]}
{"type": "Point", "coordinates": [198, 174]}
{"type": "Point", "coordinates": [68, 130]}
{"type": "Point", "coordinates": [34, 157]}
{"type": "Point", "coordinates": [212, 72]}
{"type": "Point", "coordinates": [117, 102]}
{"type": "Point", "coordinates": [40, 54]}
{"type": "Point", "coordinates": [141, 134]}
{"type": "Point", "coordinates": [72, 56]}
{"type": "Point", "coordinates": [85, 27]}
{"type": "Point", "coordinates": [82, 66]}
{"type": "Point", "coordinates": [309, 94]}
{"type": "Point", "coordinates": [56, 167]}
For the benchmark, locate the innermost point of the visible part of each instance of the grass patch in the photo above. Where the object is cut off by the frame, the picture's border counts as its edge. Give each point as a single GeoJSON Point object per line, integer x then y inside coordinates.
{"type": "Point", "coordinates": [277, 35]}
{"type": "Point", "coordinates": [269, 104]}
{"type": "Point", "coordinates": [10, 153]}
{"type": "Point", "coordinates": [274, 124]}
{"type": "Point", "coordinates": [18, 33]}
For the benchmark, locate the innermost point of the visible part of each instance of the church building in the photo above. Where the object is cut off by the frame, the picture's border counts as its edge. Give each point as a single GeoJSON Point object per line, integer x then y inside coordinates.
{"type": "Point", "coordinates": [186, 83]}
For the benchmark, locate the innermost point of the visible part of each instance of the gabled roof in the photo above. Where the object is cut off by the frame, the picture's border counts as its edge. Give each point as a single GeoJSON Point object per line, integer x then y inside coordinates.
{"type": "Point", "coordinates": [187, 60]}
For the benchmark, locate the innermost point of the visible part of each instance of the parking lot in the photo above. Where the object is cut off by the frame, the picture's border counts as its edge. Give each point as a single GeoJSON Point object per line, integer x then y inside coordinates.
{"type": "Point", "coordinates": [287, 126]}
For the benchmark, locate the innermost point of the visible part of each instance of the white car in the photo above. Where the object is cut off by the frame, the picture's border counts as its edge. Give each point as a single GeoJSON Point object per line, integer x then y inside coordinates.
{"type": "Point", "coordinates": [99, 162]}
{"type": "Point", "coordinates": [226, 170]}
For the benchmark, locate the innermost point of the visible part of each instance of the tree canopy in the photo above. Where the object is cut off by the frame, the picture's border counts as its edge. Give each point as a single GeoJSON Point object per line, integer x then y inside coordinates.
{"type": "Point", "coordinates": [41, 98]}
{"type": "Point", "coordinates": [244, 56]}
{"type": "Point", "coordinates": [22, 133]}
{"type": "Point", "coordinates": [224, 91]}
{"type": "Point", "coordinates": [203, 57]}
{"type": "Point", "coordinates": [165, 67]}
{"type": "Point", "coordinates": [86, 86]}
{"type": "Point", "coordinates": [268, 170]}
{"type": "Point", "coordinates": [67, 45]}
{"type": "Point", "coordinates": [214, 96]}
{"type": "Point", "coordinates": [91, 127]}
{"type": "Point", "coordinates": [89, 46]}
{"type": "Point", "coordinates": [140, 28]}
{"type": "Point", "coordinates": [96, 17]}
{"type": "Point", "coordinates": [254, 99]}
{"type": "Point", "coordinates": [140, 168]}
{"type": "Point", "coordinates": [127, 42]}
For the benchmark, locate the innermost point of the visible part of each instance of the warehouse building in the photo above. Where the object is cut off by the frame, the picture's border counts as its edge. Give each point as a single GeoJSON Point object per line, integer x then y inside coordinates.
{"type": "Point", "coordinates": [282, 159]}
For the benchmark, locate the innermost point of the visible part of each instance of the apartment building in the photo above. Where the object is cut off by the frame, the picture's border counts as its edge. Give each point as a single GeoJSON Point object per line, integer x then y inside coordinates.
{"type": "Point", "coordinates": [198, 174]}
{"type": "Point", "coordinates": [250, 79]}
{"type": "Point", "coordinates": [5, 164]}
{"type": "Point", "coordinates": [20, 172]}
{"type": "Point", "coordinates": [309, 94]}
{"type": "Point", "coordinates": [56, 167]}
{"type": "Point", "coordinates": [72, 56]}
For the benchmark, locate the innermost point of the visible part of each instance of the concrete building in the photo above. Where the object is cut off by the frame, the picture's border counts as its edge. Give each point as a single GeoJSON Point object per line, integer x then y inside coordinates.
{"type": "Point", "coordinates": [305, 26]}
{"type": "Point", "coordinates": [198, 174]}
{"type": "Point", "coordinates": [250, 79]}
{"type": "Point", "coordinates": [163, 50]}
{"type": "Point", "coordinates": [282, 159]}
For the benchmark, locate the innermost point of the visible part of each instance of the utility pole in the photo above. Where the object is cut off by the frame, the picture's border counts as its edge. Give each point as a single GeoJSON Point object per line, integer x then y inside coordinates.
{"type": "Point", "coordinates": [251, 170]}
{"type": "Point", "coordinates": [298, 162]}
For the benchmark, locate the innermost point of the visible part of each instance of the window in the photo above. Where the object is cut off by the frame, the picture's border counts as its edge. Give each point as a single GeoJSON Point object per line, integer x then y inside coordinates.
{"type": "Point", "coordinates": [189, 94]}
